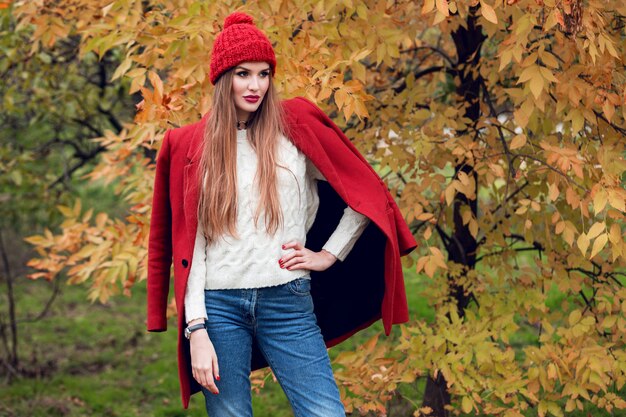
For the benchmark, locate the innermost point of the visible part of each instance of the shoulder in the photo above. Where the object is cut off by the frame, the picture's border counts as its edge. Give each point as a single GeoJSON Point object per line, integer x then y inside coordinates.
{"type": "Point", "coordinates": [178, 139]}
{"type": "Point", "coordinates": [184, 133]}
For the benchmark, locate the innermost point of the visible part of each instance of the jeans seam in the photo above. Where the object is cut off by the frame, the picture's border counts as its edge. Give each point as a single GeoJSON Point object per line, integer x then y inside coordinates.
{"type": "Point", "coordinates": [295, 292]}
{"type": "Point", "coordinates": [279, 377]}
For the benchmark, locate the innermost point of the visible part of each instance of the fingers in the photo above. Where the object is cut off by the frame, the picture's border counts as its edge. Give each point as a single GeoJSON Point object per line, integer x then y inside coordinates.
{"type": "Point", "coordinates": [204, 376]}
{"type": "Point", "coordinates": [204, 366]}
{"type": "Point", "coordinates": [296, 258]}
{"type": "Point", "coordinates": [307, 259]}
{"type": "Point", "coordinates": [293, 257]}
{"type": "Point", "coordinates": [290, 256]}
{"type": "Point", "coordinates": [293, 244]}
{"type": "Point", "coordinates": [296, 264]}
{"type": "Point", "coordinates": [210, 383]}
{"type": "Point", "coordinates": [216, 368]}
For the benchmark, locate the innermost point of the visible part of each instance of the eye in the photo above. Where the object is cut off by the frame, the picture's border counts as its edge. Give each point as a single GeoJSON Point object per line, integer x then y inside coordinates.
{"type": "Point", "coordinates": [241, 73]}
{"type": "Point", "coordinates": [265, 74]}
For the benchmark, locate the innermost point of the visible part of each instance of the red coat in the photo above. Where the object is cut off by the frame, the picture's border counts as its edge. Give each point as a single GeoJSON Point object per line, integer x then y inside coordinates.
{"type": "Point", "coordinates": [349, 296]}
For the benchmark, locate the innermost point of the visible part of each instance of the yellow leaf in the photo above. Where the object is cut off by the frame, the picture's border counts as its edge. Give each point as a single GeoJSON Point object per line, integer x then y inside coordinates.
{"type": "Point", "coordinates": [450, 191]}
{"type": "Point", "coordinates": [608, 109]}
{"type": "Point", "coordinates": [505, 59]}
{"type": "Point", "coordinates": [599, 244]}
{"type": "Point", "coordinates": [574, 317]}
{"type": "Point", "coordinates": [361, 11]}
{"type": "Point", "coordinates": [518, 141]}
{"type": "Point", "coordinates": [439, 17]}
{"type": "Point", "coordinates": [473, 228]}
{"type": "Point", "coordinates": [436, 252]}
{"type": "Point", "coordinates": [101, 219]}
{"type": "Point", "coordinates": [578, 120]}
{"type": "Point", "coordinates": [122, 68]}
{"type": "Point", "coordinates": [552, 371]}
{"type": "Point", "coordinates": [615, 234]}
{"type": "Point", "coordinates": [466, 405]}
{"type": "Point", "coordinates": [599, 201]}
{"type": "Point", "coordinates": [488, 12]}
{"type": "Point", "coordinates": [547, 74]}
{"type": "Point", "coordinates": [568, 234]}
{"type": "Point", "coordinates": [136, 72]}
{"type": "Point", "coordinates": [36, 240]}
{"type": "Point", "coordinates": [466, 215]}
{"type": "Point", "coordinates": [428, 6]}
{"type": "Point", "coordinates": [583, 243]}
{"type": "Point", "coordinates": [442, 6]}
{"type": "Point", "coordinates": [609, 322]}
{"type": "Point", "coordinates": [340, 98]}
{"type": "Point", "coordinates": [553, 191]}
{"type": "Point", "coordinates": [463, 178]}
{"type": "Point", "coordinates": [549, 60]}
{"type": "Point", "coordinates": [617, 200]}
{"type": "Point", "coordinates": [527, 73]}
{"type": "Point", "coordinates": [536, 85]}
{"type": "Point", "coordinates": [596, 229]}
{"type": "Point", "coordinates": [560, 226]}
{"type": "Point", "coordinates": [66, 211]}
{"type": "Point", "coordinates": [156, 82]}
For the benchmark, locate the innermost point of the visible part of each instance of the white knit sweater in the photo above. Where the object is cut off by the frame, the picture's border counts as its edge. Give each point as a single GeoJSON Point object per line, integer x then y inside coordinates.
{"type": "Point", "coordinates": [251, 261]}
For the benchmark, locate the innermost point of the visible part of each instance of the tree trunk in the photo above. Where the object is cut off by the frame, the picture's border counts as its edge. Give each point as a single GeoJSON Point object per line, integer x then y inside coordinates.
{"type": "Point", "coordinates": [461, 245]}
{"type": "Point", "coordinates": [12, 359]}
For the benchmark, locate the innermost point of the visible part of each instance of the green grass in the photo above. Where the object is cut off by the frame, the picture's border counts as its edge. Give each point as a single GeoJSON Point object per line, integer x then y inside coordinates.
{"type": "Point", "coordinates": [98, 360]}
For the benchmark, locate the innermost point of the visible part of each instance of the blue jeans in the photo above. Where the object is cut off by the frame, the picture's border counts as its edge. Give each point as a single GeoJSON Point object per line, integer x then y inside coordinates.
{"type": "Point", "coordinates": [281, 320]}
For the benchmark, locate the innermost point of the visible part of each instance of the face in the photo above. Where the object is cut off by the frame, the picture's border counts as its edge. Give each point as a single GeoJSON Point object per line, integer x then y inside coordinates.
{"type": "Point", "coordinates": [250, 83]}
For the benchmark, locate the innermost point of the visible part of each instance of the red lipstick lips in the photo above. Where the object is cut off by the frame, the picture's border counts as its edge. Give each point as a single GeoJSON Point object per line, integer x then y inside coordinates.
{"type": "Point", "coordinates": [251, 99]}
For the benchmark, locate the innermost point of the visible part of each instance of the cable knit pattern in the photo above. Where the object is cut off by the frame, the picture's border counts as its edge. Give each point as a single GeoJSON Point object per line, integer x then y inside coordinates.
{"type": "Point", "coordinates": [252, 260]}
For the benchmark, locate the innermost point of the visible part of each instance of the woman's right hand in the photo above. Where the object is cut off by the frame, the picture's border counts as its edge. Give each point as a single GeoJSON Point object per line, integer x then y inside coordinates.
{"type": "Point", "coordinates": [204, 360]}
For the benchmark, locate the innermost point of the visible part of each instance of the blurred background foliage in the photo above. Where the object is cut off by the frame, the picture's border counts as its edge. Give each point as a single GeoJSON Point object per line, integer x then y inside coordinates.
{"type": "Point", "coordinates": [499, 126]}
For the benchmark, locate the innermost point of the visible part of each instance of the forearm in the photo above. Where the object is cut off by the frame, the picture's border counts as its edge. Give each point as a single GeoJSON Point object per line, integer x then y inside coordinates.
{"type": "Point", "coordinates": [348, 231]}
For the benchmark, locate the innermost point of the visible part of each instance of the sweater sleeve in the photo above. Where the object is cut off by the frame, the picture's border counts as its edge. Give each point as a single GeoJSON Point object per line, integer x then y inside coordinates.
{"type": "Point", "coordinates": [194, 295]}
{"type": "Point", "coordinates": [350, 227]}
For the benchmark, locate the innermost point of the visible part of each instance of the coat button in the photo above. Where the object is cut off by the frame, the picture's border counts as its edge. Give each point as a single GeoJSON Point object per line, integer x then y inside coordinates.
{"type": "Point", "coordinates": [185, 263]}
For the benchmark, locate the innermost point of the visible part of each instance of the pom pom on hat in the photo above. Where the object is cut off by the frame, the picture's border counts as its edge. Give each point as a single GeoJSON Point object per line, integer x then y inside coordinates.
{"type": "Point", "coordinates": [240, 41]}
{"type": "Point", "coordinates": [238, 18]}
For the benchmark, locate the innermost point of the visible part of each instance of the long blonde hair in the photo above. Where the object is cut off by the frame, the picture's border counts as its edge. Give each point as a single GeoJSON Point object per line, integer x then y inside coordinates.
{"type": "Point", "coordinates": [217, 208]}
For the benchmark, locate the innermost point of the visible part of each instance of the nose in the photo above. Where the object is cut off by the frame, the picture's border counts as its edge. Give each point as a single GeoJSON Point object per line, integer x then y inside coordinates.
{"type": "Point", "coordinates": [254, 83]}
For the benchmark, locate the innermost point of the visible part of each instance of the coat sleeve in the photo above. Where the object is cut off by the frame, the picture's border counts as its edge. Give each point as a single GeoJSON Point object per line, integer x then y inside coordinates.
{"type": "Point", "coordinates": [160, 243]}
{"type": "Point", "coordinates": [406, 240]}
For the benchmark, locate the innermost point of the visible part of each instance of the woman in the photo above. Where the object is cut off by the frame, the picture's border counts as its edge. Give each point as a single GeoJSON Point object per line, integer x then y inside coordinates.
{"type": "Point", "coordinates": [275, 176]}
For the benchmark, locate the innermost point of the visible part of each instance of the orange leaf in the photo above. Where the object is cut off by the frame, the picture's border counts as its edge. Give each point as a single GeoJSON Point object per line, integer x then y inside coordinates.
{"type": "Point", "coordinates": [488, 12]}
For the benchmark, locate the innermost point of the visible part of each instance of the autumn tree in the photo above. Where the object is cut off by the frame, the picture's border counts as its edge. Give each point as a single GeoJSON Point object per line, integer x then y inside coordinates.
{"type": "Point", "coordinates": [499, 126]}
{"type": "Point", "coordinates": [51, 106]}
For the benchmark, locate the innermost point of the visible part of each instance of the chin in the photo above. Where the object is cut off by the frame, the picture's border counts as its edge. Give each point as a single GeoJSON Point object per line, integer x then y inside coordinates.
{"type": "Point", "coordinates": [249, 108]}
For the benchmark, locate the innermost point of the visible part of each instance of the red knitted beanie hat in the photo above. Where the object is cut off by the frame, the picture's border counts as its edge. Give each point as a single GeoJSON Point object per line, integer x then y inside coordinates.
{"type": "Point", "coordinates": [240, 41]}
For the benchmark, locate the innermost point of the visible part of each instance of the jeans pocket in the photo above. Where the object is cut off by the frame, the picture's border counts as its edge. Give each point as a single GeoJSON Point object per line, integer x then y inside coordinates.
{"type": "Point", "coordinates": [299, 286]}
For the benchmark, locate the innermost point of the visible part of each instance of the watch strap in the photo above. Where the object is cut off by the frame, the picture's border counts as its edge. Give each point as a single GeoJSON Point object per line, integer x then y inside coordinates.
{"type": "Point", "coordinates": [191, 329]}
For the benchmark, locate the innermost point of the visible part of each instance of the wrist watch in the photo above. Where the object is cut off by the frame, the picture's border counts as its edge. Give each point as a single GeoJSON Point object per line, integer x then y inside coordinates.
{"type": "Point", "coordinates": [191, 329]}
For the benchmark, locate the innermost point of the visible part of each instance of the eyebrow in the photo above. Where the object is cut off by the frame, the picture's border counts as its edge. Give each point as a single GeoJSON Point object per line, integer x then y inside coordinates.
{"type": "Point", "coordinates": [244, 68]}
